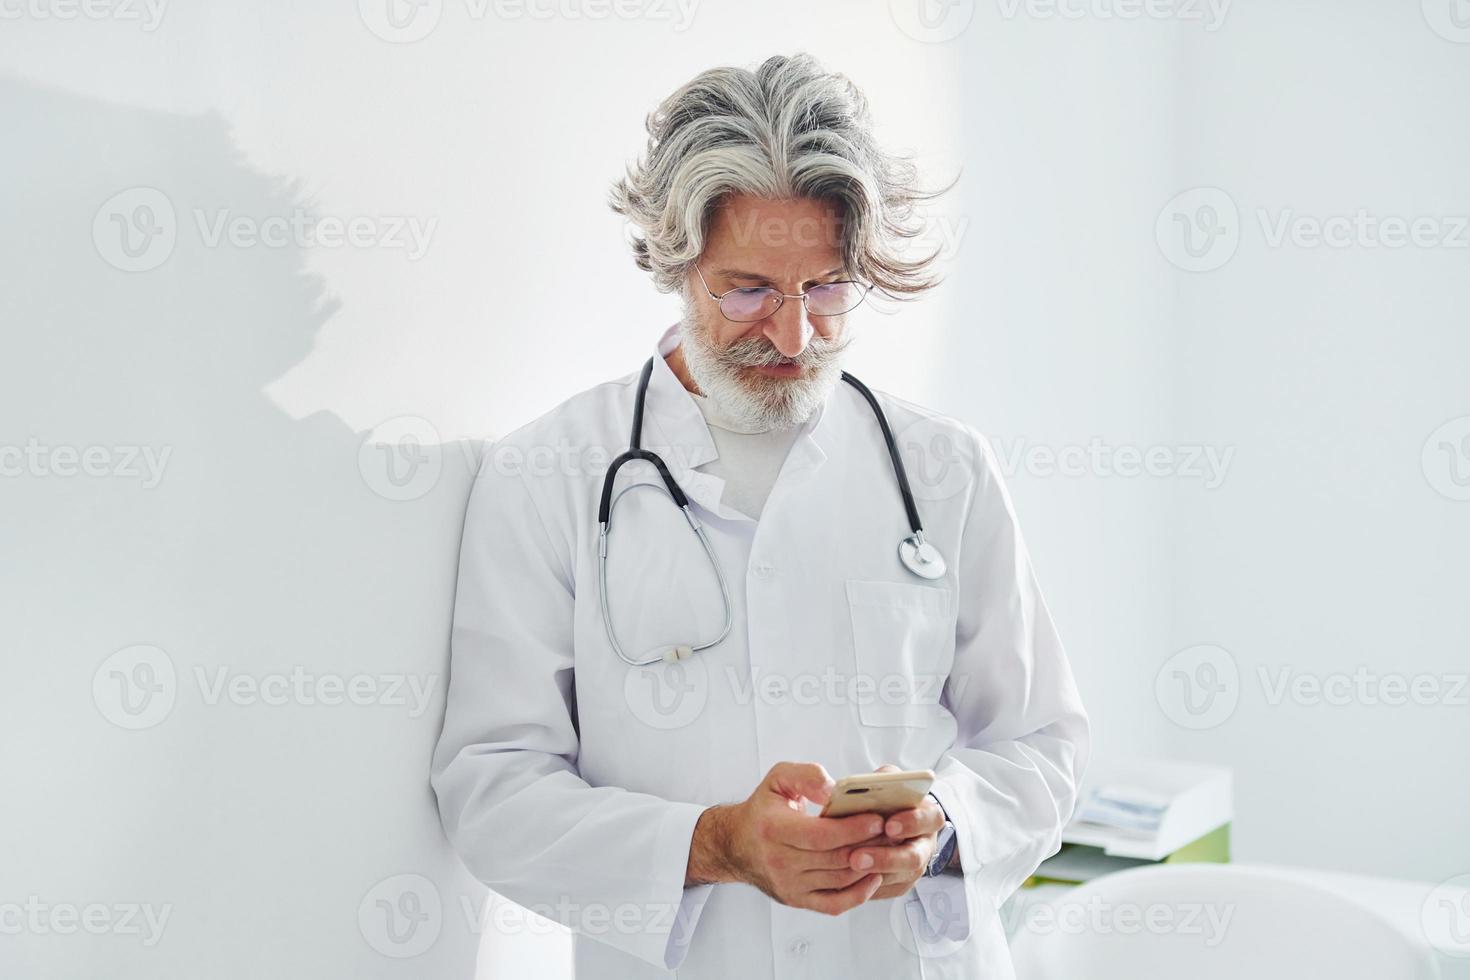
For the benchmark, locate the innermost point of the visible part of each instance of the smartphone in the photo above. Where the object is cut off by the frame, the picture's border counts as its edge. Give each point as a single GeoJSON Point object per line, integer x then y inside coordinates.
{"type": "Point", "coordinates": [879, 792]}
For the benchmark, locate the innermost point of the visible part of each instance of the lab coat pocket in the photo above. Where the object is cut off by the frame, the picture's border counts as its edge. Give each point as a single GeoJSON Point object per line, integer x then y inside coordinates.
{"type": "Point", "coordinates": [903, 648]}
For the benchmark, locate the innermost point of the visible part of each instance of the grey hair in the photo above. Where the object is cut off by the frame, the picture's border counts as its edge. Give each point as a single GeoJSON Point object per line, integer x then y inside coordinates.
{"type": "Point", "coordinates": [790, 129]}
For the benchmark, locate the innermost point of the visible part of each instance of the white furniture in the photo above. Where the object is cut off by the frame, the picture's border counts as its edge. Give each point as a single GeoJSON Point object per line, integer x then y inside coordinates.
{"type": "Point", "coordinates": [1201, 799]}
{"type": "Point", "coordinates": [1213, 922]}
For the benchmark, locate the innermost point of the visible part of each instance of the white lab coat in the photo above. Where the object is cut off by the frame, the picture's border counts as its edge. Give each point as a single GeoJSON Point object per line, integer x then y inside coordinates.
{"type": "Point", "coordinates": [570, 782]}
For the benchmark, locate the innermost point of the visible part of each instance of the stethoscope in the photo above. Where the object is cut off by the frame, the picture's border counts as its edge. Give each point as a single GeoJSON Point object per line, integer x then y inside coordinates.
{"type": "Point", "coordinates": [918, 555]}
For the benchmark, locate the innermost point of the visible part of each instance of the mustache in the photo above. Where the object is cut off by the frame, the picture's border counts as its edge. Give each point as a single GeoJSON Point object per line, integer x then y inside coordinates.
{"type": "Point", "coordinates": [757, 352]}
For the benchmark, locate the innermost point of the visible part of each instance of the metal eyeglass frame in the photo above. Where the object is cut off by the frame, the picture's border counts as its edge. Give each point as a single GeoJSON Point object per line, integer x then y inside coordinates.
{"type": "Point", "coordinates": [867, 287]}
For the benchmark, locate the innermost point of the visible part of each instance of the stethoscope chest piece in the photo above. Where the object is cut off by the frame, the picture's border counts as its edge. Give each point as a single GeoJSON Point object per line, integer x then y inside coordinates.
{"type": "Point", "coordinates": [921, 557]}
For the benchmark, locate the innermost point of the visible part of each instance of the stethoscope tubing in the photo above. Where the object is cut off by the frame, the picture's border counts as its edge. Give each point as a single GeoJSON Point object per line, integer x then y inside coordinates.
{"type": "Point", "coordinates": [671, 486]}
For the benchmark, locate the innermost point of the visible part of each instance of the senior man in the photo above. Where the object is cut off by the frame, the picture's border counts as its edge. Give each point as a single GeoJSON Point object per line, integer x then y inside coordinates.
{"type": "Point", "coordinates": [665, 649]}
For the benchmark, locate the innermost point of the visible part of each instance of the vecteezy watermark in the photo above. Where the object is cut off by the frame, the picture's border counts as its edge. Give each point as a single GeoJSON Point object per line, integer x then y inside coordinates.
{"type": "Point", "coordinates": [1363, 686]}
{"type": "Point", "coordinates": [932, 21]}
{"type": "Point", "coordinates": [1200, 229]}
{"type": "Point", "coordinates": [1198, 687]}
{"type": "Point", "coordinates": [1445, 459]}
{"type": "Point", "coordinates": [39, 918]}
{"type": "Point", "coordinates": [938, 231]}
{"type": "Point", "coordinates": [1201, 686]}
{"type": "Point", "coordinates": [563, 458]}
{"type": "Point", "coordinates": [668, 695]}
{"type": "Point", "coordinates": [137, 229]}
{"type": "Point", "coordinates": [300, 228]}
{"type": "Point", "coordinates": [402, 457]}
{"type": "Point", "coordinates": [122, 462]}
{"type": "Point", "coordinates": [1445, 916]}
{"type": "Point", "coordinates": [833, 687]}
{"type": "Point", "coordinates": [1209, 13]}
{"type": "Point", "coordinates": [940, 459]}
{"type": "Point", "coordinates": [1097, 916]}
{"type": "Point", "coordinates": [929, 925]}
{"type": "Point", "coordinates": [1208, 464]}
{"type": "Point", "coordinates": [401, 916]}
{"type": "Point", "coordinates": [147, 14]}
{"type": "Point", "coordinates": [1363, 229]}
{"type": "Point", "coordinates": [138, 686]}
{"type": "Point", "coordinates": [506, 918]}
{"type": "Point", "coordinates": [406, 21]}
{"type": "Point", "coordinates": [298, 686]}
{"type": "Point", "coordinates": [1450, 19]}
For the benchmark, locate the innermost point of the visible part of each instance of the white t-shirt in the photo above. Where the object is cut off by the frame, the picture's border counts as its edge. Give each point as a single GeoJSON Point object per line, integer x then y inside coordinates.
{"type": "Point", "coordinates": [749, 460]}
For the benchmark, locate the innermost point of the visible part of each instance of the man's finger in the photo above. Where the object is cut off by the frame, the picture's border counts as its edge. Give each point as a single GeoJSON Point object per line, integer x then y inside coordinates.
{"type": "Point", "coordinates": [795, 780]}
{"type": "Point", "coordinates": [840, 900]}
{"type": "Point", "coordinates": [826, 833]}
{"type": "Point", "coordinates": [796, 857]}
{"type": "Point", "coordinates": [830, 879]}
{"type": "Point", "coordinates": [926, 818]}
{"type": "Point", "coordinates": [907, 858]}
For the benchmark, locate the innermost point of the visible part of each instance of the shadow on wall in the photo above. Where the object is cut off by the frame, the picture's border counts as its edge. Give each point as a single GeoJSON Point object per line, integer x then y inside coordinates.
{"type": "Point", "coordinates": [227, 630]}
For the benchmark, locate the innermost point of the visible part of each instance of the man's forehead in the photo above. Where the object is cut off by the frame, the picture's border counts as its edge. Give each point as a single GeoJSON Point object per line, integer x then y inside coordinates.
{"type": "Point", "coordinates": [774, 236]}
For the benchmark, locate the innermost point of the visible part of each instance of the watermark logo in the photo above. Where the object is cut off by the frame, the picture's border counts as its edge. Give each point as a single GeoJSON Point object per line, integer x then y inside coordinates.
{"type": "Point", "coordinates": [401, 916]}
{"type": "Point", "coordinates": [1450, 19]}
{"type": "Point", "coordinates": [38, 918]}
{"type": "Point", "coordinates": [1362, 229]}
{"type": "Point", "coordinates": [1198, 687]}
{"type": "Point", "coordinates": [1210, 13]}
{"type": "Point", "coordinates": [924, 925]}
{"type": "Point", "coordinates": [135, 230]}
{"type": "Point", "coordinates": [932, 21]}
{"type": "Point", "coordinates": [1206, 922]}
{"type": "Point", "coordinates": [400, 21]}
{"type": "Point", "coordinates": [1207, 464]}
{"type": "Point", "coordinates": [136, 687]}
{"type": "Point", "coordinates": [145, 464]}
{"type": "Point", "coordinates": [667, 695]}
{"type": "Point", "coordinates": [309, 689]}
{"type": "Point", "coordinates": [147, 14]}
{"type": "Point", "coordinates": [1445, 917]}
{"type": "Point", "coordinates": [402, 458]}
{"type": "Point", "coordinates": [1362, 687]}
{"type": "Point", "coordinates": [1446, 459]}
{"type": "Point", "coordinates": [938, 458]}
{"type": "Point", "coordinates": [1199, 229]}
{"type": "Point", "coordinates": [406, 21]}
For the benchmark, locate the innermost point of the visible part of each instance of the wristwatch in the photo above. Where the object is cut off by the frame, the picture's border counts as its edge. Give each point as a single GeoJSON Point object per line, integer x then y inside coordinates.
{"type": "Point", "coordinates": [944, 843]}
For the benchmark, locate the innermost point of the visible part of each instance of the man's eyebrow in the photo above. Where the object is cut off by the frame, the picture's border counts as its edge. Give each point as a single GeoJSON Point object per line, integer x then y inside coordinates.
{"type": "Point", "coordinates": [741, 274]}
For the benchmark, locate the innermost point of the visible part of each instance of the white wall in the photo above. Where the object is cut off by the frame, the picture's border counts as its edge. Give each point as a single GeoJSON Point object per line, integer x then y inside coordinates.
{"type": "Point", "coordinates": [1333, 546]}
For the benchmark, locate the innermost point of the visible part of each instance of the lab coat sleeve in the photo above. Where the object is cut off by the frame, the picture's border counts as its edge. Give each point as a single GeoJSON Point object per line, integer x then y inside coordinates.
{"type": "Point", "coordinates": [1011, 779]}
{"type": "Point", "coordinates": [605, 862]}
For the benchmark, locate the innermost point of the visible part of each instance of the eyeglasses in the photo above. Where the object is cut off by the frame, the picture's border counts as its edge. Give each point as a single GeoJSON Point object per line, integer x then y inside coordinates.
{"type": "Point", "coordinates": [746, 304]}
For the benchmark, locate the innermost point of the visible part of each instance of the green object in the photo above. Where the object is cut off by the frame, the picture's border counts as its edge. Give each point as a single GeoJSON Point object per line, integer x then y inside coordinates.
{"type": "Point", "coordinates": [1212, 848]}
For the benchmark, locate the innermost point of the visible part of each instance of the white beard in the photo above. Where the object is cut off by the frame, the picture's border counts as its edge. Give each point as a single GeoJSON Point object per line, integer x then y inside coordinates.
{"type": "Point", "coordinates": [752, 401]}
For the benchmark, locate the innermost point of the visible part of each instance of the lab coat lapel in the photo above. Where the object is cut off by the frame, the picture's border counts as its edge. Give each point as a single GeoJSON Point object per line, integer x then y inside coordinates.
{"type": "Point", "coordinates": [683, 437]}
{"type": "Point", "coordinates": [678, 430]}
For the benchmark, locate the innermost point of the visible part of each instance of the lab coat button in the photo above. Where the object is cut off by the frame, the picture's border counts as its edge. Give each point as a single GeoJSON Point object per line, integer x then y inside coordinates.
{"type": "Point", "coordinates": [800, 947]}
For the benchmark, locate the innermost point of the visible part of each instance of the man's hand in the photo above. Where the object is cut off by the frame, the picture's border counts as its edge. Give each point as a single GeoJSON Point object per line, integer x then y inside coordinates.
{"type": "Point", "coordinates": [907, 850]}
{"type": "Point", "coordinates": [771, 842]}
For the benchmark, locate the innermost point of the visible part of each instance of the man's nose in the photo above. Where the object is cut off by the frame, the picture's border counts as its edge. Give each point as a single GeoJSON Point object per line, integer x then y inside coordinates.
{"type": "Point", "coordinates": [789, 328]}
